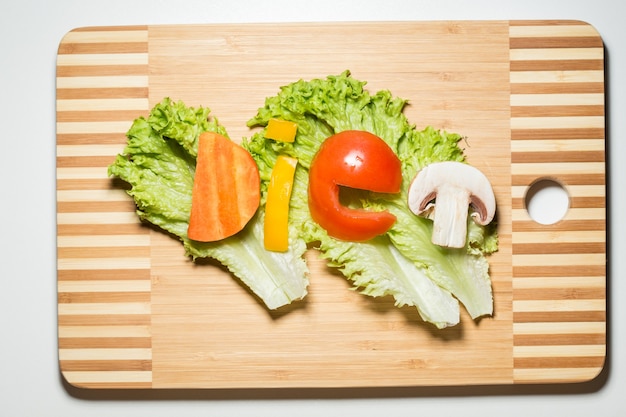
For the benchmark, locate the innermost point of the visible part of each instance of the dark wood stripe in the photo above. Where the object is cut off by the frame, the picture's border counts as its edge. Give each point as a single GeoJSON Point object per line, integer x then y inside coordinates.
{"type": "Point", "coordinates": [104, 252]}
{"type": "Point", "coordinates": [564, 225]}
{"type": "Point", "coordinates": [84, 161]}
{"type": "Point", "coordinates": [102, 93]}
{"type": "Point", "coordinates": [592, 293]}
{"type": "Point", "coordinates": [92, 139]}
{"type": "Point", "coordinates": [97, 207]}
{"type": "Point", "coordinates": [560, 156]}
{"type": "Point", "coordinates": [85, 184]}
{"type": "Point", "coordinates": [558, 65]}
{"type": "Point", "coordinates": [103, 297]}
{"type": "Point", "coordinates": [559, 362]}
{"type": "Point", "coordinates": [104, 342]}
{"type": "Point", "coordinates": [559, 316]}
{"type": "Point", "coordinates": [103, 48]}
{"type": "Point", "coordinates": [557, 88]}
{"type": "Point", "coordinates": [104, 275]}
{"type": "Point", "coordinates": [571, 179]}
{"type": "Point", "coordinates": [112, 365]}
{"type": "Point", "coordinates": [105, 320]}
{"type": "Point", "coordinates": [555, 248]}
{"type": "Point", "coordinates": [559, 271]}
{"type": "Point", "coordinates": [555, 42]}
{"type": "Point", "coordinates": [543, 134]}
{"type": "Point", "coordinates": [97, 116]}
{"type": "Point", "coordinates": [556, 111]}
{"type": "Point", "coordinates": [100, 70]}
{"type": "Point", "coordinates": [101, 229]}
{"type": "Point", "coordinates": [559, 339]}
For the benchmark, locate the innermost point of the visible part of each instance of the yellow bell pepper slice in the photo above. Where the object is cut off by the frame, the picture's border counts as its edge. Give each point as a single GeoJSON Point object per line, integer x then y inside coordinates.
{"type": "Point", "coordinates": [275, 226]}
{"type": "Point", "coordinates": [282, 130]}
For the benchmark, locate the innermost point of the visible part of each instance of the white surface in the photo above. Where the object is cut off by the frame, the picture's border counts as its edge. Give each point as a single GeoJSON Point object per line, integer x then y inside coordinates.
{"type": "Point", "coordinates": [30, 384]}
{"type": "Point", "coordinates": [547, 201]}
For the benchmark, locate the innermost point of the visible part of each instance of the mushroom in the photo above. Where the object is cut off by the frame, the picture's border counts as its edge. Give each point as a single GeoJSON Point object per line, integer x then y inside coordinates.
{"type": "Point", "coordinates": [444, 192]}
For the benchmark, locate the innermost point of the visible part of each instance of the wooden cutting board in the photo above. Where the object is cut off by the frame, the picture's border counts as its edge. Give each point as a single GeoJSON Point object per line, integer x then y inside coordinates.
{"type": "Point", "coordinates": [133, 312]}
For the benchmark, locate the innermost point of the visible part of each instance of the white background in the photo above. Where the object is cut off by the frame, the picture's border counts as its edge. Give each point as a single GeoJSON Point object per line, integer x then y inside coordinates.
{"type": "Point", "coordinates": [30, 384]}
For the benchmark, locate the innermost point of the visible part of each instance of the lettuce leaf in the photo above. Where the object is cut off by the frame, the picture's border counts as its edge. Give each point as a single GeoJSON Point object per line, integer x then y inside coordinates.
{"type": "Point", "coordinates": [376, 267]}
{"type": "Point", "coordinates": [403, 264]}
{"type": "Point", "coordinates": [464, 272]}
{"type": "Point", "coordinates": [159, 164]}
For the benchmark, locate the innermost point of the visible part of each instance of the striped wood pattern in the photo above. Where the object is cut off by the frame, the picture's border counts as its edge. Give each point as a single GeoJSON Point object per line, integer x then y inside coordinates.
{"type": "Point", "coordinates": [103, 252]}
{"type": "Point", "coordinates": [133, 312]}
{"type": "Point", "coordinates": [559, 270]}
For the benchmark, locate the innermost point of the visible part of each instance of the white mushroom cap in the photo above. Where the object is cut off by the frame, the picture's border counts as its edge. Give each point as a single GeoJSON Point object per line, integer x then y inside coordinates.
{"type": "Point", "coordinates": [454, 187]}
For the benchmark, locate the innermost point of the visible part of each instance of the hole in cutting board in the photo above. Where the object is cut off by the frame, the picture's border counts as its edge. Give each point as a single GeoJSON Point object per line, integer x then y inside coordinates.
{"type": "Point", "coordinates": [547, 201]}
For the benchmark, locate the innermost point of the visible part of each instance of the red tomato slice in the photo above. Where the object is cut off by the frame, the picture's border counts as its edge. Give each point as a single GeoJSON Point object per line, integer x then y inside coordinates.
{"type": "Point", "coordinates": [355, 159]}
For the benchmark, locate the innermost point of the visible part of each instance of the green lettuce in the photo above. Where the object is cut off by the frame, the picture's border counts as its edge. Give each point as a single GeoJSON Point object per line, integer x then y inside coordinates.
{"type": "Point", "coordinates": [159, 164]}
{"type": "Point", "coordinates": [159, 160]}
{"type": "Point", "coordinates": [404, 263]}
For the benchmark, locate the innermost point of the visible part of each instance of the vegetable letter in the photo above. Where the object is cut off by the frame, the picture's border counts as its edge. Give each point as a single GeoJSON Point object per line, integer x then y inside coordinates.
{"type": "Point", "coordinates": [226, 190]}
{"type": "Point", "coordinates": [281, 130]}
{"type": "Point", "coordinates": [355, 159]}
{"type": "Point", "coordinates": [453, 186]}
{"type": "Point", "coordinates": [276, 231]}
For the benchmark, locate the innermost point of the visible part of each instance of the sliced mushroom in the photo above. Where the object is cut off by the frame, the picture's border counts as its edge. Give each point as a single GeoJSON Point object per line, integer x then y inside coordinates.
{"type": "Point", "coordinates": [444, 192]}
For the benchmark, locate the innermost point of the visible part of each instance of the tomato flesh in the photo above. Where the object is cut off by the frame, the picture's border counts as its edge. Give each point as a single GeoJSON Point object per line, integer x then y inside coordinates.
{"type": "Point", "coordinates": [355, 159]}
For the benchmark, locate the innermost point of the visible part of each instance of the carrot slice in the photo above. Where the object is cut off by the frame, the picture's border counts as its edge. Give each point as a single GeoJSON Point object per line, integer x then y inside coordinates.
{"type": "Point", "coordinates": [226, 189]}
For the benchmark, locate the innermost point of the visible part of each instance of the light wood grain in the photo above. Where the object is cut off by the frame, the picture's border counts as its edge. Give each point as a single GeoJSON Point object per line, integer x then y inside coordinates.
{"type": "Point", "coordinates": [135, 313]}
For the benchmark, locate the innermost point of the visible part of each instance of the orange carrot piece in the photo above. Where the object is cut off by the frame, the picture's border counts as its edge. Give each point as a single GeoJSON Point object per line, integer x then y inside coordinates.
{"type": "Point", "coordinates": [226, 189]}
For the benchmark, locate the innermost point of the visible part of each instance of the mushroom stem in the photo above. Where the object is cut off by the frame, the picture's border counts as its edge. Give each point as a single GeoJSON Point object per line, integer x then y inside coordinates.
{"type": "Point", "coordinates": [456, 187]}
{"type": "Point", "coordinates": [450, 217]}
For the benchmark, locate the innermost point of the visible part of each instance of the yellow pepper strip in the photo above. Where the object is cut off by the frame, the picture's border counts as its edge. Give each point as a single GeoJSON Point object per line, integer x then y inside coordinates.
{"type": "Point", "coordinates": [275, 226]}
{"type": "Point", "coordinates": [282, 130]}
